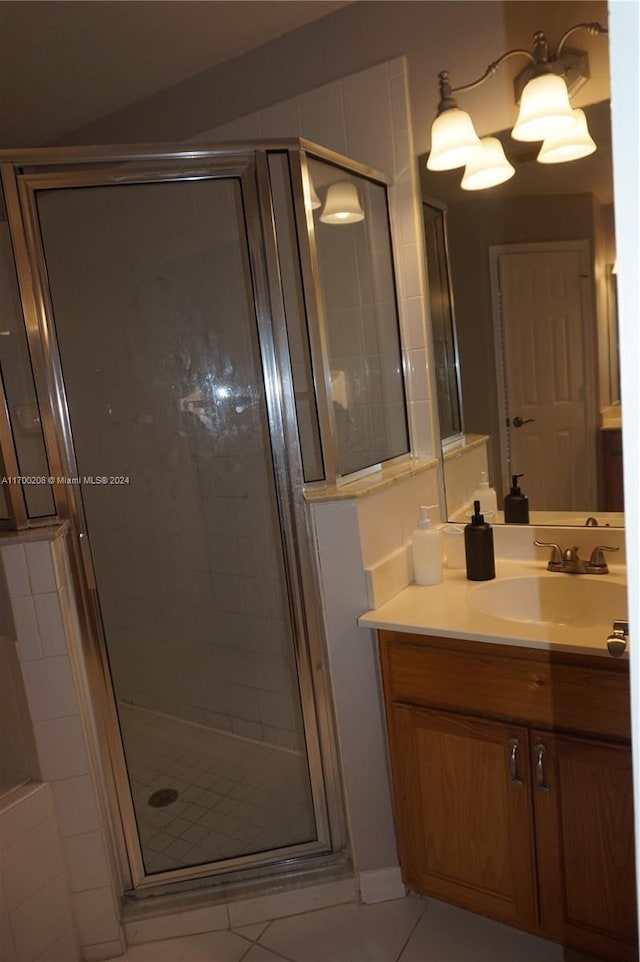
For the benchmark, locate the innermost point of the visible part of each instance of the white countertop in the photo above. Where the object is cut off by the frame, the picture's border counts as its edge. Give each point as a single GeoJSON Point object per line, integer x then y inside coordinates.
{"type": "Point", "coordinates": [446, 610]}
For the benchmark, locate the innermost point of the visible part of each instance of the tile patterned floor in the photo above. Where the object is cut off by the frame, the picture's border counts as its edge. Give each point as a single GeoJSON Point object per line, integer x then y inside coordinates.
{"type": "Point", "coordinates": [406, 930]}
{"type": "Point", "coordinates": [236, 796]}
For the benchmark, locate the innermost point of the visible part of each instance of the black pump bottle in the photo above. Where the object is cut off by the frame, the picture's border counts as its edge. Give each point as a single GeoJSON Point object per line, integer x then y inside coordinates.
{"type": "Point", "coordinates": [478, 547]}
{"type": "Point", "coordinates": [516, 504]}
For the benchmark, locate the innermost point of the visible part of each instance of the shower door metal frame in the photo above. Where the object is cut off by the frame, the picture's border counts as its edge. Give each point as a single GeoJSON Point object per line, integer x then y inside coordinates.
{"type": "Point", "coordinates": [315, 302]}
{"type": "Point", "coordinates": [100, 167]}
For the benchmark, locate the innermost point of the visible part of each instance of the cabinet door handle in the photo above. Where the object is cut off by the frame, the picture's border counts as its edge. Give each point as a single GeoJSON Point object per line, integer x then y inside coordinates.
{"type": "Point", "coordinates": [540, 751]}
{"type": "Point", "coordinates": [514, 778]}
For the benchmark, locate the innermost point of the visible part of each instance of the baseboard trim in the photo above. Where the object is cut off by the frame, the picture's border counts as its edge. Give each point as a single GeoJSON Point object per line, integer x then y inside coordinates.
{"type": "Point", "coordinates": [381, 885]}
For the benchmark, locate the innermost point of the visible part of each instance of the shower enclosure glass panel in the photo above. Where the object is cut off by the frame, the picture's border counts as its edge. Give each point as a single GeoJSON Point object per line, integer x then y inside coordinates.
{"type": "Point", "coordinates": [355, 265]}
{"type": "Point", "coordinates": [19, 389]}
{"type": "Point", "coordinates": [153, 304]}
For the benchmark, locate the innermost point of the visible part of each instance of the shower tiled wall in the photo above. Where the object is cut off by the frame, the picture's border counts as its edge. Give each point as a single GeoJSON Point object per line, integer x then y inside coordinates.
{"type": "Point", "coordinates": [43, 609]}
{"type": "Point", "coordinates": [186, 553]}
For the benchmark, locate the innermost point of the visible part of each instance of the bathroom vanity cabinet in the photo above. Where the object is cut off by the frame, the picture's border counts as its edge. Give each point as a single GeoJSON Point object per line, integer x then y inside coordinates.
{"type": "Point", "coordinates": [613, 488]}
{"type": "Point", "coordinates": [513, 785]}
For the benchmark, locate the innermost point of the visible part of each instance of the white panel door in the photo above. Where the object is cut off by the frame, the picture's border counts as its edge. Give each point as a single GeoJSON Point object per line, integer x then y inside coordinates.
{"type": "Point", "coordinates": [546, 328]}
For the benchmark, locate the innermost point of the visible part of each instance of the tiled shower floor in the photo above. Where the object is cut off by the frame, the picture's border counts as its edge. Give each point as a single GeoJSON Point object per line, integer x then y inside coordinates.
{"type": "Point", "coordinates": [235, 796]}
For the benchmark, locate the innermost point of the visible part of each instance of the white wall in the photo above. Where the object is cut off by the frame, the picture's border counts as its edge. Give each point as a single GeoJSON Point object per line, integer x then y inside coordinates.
{"type": "Point", "coordinates": [625, 86]}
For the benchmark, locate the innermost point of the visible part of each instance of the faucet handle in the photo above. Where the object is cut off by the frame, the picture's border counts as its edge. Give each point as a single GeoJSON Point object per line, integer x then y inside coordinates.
{"type": "Point", "coordinates": [597, 559]}
{"type": "Point", "coordinates": [572, 554]}
{"type": "Point", "coordinates": [556, 554]}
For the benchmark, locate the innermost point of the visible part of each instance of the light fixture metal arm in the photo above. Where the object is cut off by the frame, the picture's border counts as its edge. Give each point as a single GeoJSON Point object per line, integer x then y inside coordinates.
{"type": "Point", "coordinates": [492, 68]}
{"type": "Point", "coordinates": [594, 28]}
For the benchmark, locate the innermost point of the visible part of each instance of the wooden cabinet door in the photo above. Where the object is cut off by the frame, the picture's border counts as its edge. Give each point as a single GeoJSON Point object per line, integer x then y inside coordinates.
{"type": "Point", "coordinates": [464, 812]}
{"type": "Point", "coordinates": [583, 803]}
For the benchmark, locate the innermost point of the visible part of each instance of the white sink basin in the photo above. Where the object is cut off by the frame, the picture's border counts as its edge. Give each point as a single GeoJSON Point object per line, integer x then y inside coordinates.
{"type": "Point", "coordinates": [573, 601]}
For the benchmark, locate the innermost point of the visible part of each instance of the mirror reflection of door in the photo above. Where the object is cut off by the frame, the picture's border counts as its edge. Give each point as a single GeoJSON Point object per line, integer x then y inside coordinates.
{"type": "Point", "coordinates": [443, 325]}
{"type": "Point", "coordinates": [543, 309]}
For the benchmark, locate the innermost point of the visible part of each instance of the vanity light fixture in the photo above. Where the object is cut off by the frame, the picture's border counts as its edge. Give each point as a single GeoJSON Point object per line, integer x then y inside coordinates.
{"type": "Point", "coordinates": [342, 204]}
{"type": "Point", "coordinates": [489, 169]}
{"type": "Point", "coordinates": [545, 113]}
{"type": "Point", "coordinates": [568, 144]}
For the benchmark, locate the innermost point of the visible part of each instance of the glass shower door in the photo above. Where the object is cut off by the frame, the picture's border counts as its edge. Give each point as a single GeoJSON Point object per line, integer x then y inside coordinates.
{"type": "Point", "coordinates": [154, 305]}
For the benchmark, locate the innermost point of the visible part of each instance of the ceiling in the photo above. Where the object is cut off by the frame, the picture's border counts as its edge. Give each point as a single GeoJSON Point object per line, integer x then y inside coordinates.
{"type": "Point", "coordinates": [64, 63]}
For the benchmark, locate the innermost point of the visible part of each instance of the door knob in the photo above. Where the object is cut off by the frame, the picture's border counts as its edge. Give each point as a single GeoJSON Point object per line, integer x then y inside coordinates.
{"type": "Point", "coordinates": [518, 421]}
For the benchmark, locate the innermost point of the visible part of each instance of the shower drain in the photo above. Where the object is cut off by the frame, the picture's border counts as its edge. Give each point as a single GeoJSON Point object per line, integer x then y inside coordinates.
{"type": "Point", "coordinates": [164, 796]}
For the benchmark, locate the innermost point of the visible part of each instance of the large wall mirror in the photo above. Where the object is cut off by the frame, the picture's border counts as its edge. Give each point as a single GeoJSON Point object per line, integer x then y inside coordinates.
{"type": "Point", "coordinates": [532, 332]}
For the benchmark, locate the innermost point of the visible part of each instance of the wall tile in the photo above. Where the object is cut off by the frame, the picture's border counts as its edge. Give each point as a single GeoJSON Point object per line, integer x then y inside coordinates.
{"type": "Point", "coordinates": [323, 123]}
{"type": "Point", "coordinates": [31, 862]}
{"type": "Point", "coordinates": [406, 215]}
{"type": "Point", "coordinates": [40, 564]}
{"type": "Point", "coordinates": [96, 916]}
{"type": "Point", "coordinates": [27, 632]}
{"type": "Point", "coordinates": [50, 689]}
{"type": "Point", "coordinates": [322, 94]}
{"type": "Point", "coordinates": [86, 861]}
{"type": "Point", "coordinates": [365, 79]}
{"type": "Point", "coordinates": [409, 276]}
{"type": "Point", "coordinates": [400, 117]}
{"type": "Point", "coordinates": [397, 67]}
{"type": "Point", "coordinates": [22, 817]}
{"type": "Point", "coordinates": [8, 952]}
{"type": "Point", "coordinates": [415, 363]}
{"type": "Point", "coordinates": [247, 729]}
{"type": "Point", "coordinates": [412, 324]}
{"type": "Point", "coordinates": [42, 919]}
{"type": "Point", "coordinates": [16, 571]}
{"type": "Point", "coordinates": [422, 431]}
{"type": "Point", "coordinates": [75, 804]}
{"type": "Point", "coordinates": [66, 949]}
{"type": "Point", "coordinates": [61, 748]}
{"type": "Point", "coordinates": [49, 616]}
{"type": "Point", "coordinates": [281, 120]}
{"type": "Point", "coordinates": [60, 566]}
{"type": "Point", "coordinates": [367, 111]}
{"type": "Point", "coordinates": [102, 950]}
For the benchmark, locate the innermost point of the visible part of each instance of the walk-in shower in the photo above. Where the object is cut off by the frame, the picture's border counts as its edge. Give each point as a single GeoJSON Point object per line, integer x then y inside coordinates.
{"type": "Point", "coordinates": [206, 343]}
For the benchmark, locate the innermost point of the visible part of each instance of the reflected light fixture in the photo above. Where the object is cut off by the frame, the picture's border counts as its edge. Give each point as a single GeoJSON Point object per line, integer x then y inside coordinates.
{"type": "Point", "coordinates": [545, 111]}
{"type": "Point", "coordinates": [314, 200]}
{"type": "Point", "coordinates": [342, 204]}
{"type": "Point", "coordinates": [569, 144]}
{"type": "Point", "coordinates": [489, 169]}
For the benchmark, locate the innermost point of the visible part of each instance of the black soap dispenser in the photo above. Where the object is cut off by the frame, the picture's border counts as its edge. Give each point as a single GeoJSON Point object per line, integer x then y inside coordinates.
{"type": "Point", "coordinates": [478, 547]}
{"type": "Point", "coordinates": [516, 504]}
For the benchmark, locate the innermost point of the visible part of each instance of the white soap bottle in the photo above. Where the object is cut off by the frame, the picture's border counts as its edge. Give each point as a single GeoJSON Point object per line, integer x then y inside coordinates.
{"type": "Point", "coordinates": [426, 546]}
{"type": "Point", "coordinates": [487, 497]}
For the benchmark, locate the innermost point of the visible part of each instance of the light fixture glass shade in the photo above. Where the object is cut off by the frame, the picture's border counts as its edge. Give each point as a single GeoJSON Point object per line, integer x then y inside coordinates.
{"type": "Point", "coordinates": [544, 109]}
{"type": "Point", "coordinates": [454, 141]}
{"type": "Point", "coordinates": [491, 168]}
{"type": "Point", "coordinates": [568, 144]}
{"type": "Point", "coordinates": [342, 204]}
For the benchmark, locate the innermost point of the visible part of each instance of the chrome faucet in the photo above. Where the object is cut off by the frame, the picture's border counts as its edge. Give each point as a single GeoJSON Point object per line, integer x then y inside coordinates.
{"type": "Point", "coordinates": [570, 562]}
